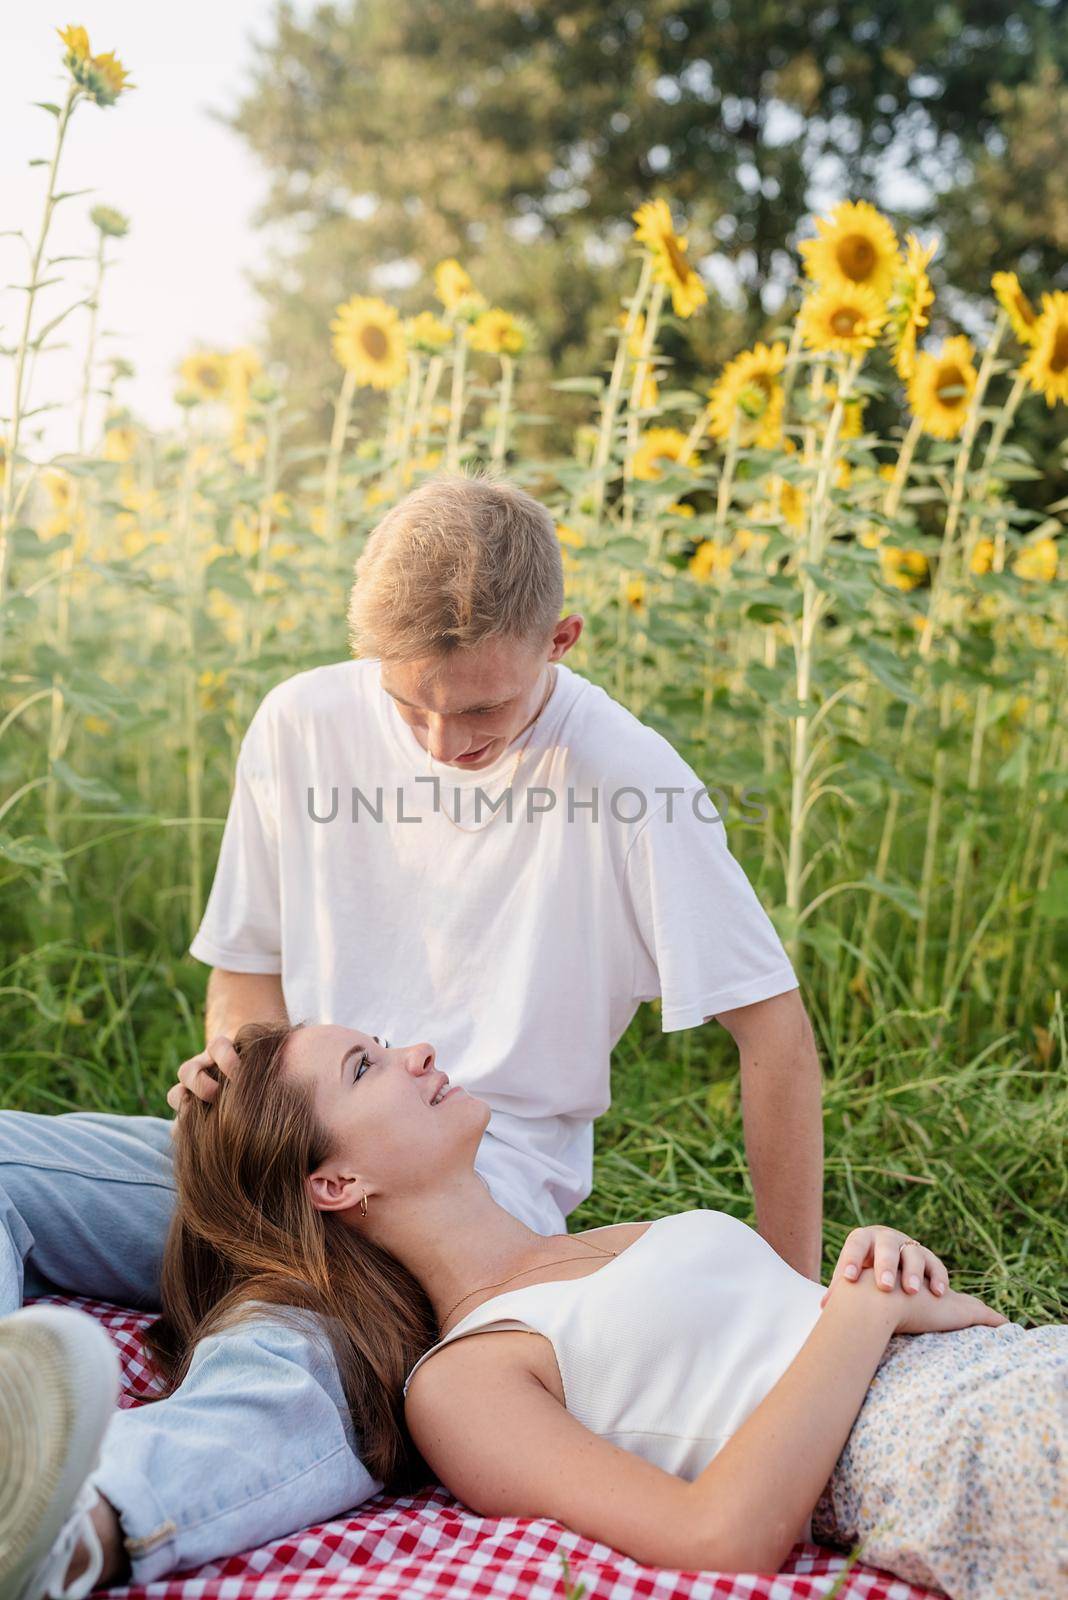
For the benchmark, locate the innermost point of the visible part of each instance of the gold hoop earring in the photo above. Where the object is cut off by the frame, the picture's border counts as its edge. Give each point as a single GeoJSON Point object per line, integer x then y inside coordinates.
{"type": "Point", "coordinates": [363, 1204]}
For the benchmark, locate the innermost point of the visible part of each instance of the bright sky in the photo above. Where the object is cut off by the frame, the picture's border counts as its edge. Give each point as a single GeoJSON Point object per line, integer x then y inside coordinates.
{"type": "Point", "coordinates": [187, 185]}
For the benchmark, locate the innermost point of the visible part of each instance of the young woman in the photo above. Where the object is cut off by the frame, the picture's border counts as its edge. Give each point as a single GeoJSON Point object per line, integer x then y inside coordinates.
{"type": "Point", "coordinates": [687, 1397]}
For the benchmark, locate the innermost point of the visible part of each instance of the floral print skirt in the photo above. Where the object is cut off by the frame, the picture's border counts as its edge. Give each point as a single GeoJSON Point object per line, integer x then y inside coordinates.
{"type": "Point", "coordinates": [955, 1473]}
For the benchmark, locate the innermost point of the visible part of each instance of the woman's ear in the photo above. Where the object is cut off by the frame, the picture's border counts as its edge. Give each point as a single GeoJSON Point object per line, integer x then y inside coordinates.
{"type": "Point", "coordinates": [334, 1191]}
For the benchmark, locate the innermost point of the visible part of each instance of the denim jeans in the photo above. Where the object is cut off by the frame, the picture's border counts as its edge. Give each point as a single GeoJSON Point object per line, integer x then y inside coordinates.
{"type": "Point", "coordinates": [258, 1440]}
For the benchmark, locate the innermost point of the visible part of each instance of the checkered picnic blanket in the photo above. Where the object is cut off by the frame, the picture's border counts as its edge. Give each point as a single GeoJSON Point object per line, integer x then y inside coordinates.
{"type": "Point", "coordinates": [428, 1546]}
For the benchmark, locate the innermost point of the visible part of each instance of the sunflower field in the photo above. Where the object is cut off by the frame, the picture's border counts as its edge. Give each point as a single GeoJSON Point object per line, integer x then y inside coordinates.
{"type": "Point", "coordinates": [856, 636]}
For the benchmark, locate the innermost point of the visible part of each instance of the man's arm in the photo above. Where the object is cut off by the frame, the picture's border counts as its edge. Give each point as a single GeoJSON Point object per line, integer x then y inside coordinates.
{"type": "Point", "coordinates": [782, 1115]}
{"type": "Point", "coordinates": [234, 998]}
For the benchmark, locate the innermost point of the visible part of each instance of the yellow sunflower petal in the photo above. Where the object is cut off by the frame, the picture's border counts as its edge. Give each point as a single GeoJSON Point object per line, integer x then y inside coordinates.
{"type": "Point", "coordinates": [668, 251]}
{"type": "Point", "coordinates": [1046, 368]}
{"type": "Point", "coordinates": [1012, 300]}
{"type": "Point", "coordinates": [855, 245]}
{"type": "Point", "coordinates": [658, 449]}
{"type": "Point", "coordinates": [941, 388]}
{"type": "Point", "coordinates": [749, 395]}
{"type": "Point", "coordinates": [842, 316]}
{"type": "Point", "coordinates": [369, 341]}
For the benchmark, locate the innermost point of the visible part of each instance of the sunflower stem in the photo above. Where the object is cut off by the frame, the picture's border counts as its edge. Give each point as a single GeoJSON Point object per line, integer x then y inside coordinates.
{"type": "Point", "coordinates": [190, 609]}
{"type": "Point", "coordinates": [813, 605]}
{"type": "Point", "coordinates": [456, 398]}
{"type": "Point", "coordinates": [504, 405]}
{"type": "Point", "coordinates": [610, 397]}
{"type": "Point", "coordinates": [902, 467]}
{"type": "Point", "coordinates": [641, 372]}
{"type": "Point", "coordinates": [431, 385]}
{"type": "Point", "coordinates": [994, 444]}
{"type": "Point", "coordinates": [7, 501]}
{"type": "Point", "coordinates": [925, 645]}
{"type": "Point", "coordinates": [939, 590]}
{"type": "Point", "coordinates": [342, 412]}
{"type": "Point", "coordinates": [263, 531]}
{"type": "Point", "coordinates": [411, 402]}
{"type": "Point", "coordinates": [726, 477]}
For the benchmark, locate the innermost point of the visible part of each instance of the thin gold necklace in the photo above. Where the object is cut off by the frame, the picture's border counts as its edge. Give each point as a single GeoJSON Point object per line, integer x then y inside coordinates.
{"type": "Point", "coordinates": [511, 777]}
{"type": "Point", "coordinates": [515, 1275]}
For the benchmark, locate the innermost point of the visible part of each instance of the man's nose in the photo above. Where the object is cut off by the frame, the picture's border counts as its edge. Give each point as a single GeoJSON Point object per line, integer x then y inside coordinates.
{"type": "Point", "coordinates": [443, 742]}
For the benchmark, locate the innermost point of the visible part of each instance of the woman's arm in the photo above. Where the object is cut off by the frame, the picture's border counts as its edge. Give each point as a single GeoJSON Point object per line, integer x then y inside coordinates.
{"type": "Point", "coordinates": [506, 1447]}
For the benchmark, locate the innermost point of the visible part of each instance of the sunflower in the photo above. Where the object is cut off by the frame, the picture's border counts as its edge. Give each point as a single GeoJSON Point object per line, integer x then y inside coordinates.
{"type": "Point", "coordinates": [793, 503]}
{"type": "Point", "coordinates": [60, 490]}
{"type": "Point", "coordinates": [103, 77]}
{"type": "Point", "coordinates": [842, 316]}
{"type": "Point", "coordinates": [668, 251]}
{"type": "Point", "coordinates": [1012, 300]}
{"type": "Point", "coordinates": [902, 569]}
{"type": "Point", "coordinates": [497, 333]}
{"type": "Point", "coordinates": [1037, 561]}
{"type": "Point", "coordinates": [635, 593]}
{"type": "Point", "coordinates": [751, 538]}
{"type": "Point", "coordinates": [204, 374]}
{"type": "Point", "coordinates": [120, 443]}
{"type": "Point", "coordinates": [451, 282]}
{"type": "Point", "coordinates": [656, 448]}
{"type": "Point", "coordinates": [1046, 368]}
{"type": "Point", "coordinates": [457, 293]}
{"type": "Point", "coordinates": [854, 246]}
{"type": "Point", "coordinates": [750, 390]}
{"type": "Point", "coordinates": [912, 296]}
{"type": "Point", "coordinates": [940, 389]}
{"type": "Point", "coordinates": [369, 341]}
{"type": "Point", "coordinates": [428, 333]}
{"type": "Point", "coordinates": [243, 367]}
{"type": "Point", "coordinates": [982, 560]}
{"type": "Point", "coordinates": [710, 559]}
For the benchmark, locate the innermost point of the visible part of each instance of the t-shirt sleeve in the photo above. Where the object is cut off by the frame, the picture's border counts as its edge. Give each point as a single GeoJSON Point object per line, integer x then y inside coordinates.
{"type": "Point", "coordinates": [241, 929]}
{"type": "Point", "coordinates": [704, 943]}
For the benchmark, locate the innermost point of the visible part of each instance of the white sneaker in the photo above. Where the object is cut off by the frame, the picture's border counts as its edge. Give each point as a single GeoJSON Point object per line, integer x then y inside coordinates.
{"type": "Point", "coordinates": [59, 1380]}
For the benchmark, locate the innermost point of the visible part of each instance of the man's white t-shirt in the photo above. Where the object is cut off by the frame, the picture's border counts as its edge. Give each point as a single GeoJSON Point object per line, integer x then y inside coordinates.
{"type": "Point", "coordinates": [519, 951]}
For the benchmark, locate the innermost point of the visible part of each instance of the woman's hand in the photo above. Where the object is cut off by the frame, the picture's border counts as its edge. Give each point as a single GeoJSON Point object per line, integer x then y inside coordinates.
{"type": "Point", "coordinates": [887, 1253]}
{"type": "Point", "coordinates": [929, 1313]}
{"type": "Point", "coordinates": [192, 1077]}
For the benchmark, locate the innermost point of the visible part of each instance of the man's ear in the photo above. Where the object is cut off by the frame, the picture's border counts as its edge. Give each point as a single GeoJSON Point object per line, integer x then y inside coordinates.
{"type": "Point", "coordinates": [334, 1191]}
{"type": "Point", "coordinates": [565, 634]}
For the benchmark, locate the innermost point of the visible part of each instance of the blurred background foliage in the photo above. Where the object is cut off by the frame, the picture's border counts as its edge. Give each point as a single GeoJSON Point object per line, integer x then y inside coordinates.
{"type": "Point", "coordinates": [519, 137]}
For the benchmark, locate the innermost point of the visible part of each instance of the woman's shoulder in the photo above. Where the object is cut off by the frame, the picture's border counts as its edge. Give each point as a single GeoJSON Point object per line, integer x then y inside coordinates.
{"type": "Point", "coordinates": [505, 1354]}
{"type": "Point", "coordinates": [614, 1236]}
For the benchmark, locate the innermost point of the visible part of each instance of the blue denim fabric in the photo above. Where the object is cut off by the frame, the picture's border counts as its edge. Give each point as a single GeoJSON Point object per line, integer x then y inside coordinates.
{"type": "Point", "coordinates": [258, 1440]}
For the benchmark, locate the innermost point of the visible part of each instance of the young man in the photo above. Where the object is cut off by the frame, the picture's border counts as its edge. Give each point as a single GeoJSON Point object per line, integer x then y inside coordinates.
{"type": "Point", "coordinates": [456, 837]}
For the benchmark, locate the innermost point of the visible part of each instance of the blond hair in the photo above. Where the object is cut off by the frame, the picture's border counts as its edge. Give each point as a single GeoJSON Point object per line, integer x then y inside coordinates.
{"type": "Point", "coordinates": [459, 560]}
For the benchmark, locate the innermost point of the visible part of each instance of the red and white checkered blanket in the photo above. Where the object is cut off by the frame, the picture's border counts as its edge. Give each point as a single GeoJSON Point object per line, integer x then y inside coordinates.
{"type": "Point", "coordinates": [428, 1546]}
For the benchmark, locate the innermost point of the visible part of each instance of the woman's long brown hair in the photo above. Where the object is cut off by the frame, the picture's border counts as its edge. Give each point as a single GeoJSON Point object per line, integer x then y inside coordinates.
{"type": "Point", "coordinates": [245, 1235]}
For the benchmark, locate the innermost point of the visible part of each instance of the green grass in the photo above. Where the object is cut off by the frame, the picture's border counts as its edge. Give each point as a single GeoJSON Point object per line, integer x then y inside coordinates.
{"type": "Point", "coordinates": [966, 1155]}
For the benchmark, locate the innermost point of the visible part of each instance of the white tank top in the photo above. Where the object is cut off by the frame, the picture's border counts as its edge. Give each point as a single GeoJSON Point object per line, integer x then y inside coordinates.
{"type": "Point", "coordinates": [666, 1349]}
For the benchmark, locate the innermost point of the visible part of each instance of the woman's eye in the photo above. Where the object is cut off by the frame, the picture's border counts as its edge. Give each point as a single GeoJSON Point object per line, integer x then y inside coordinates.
{"type": "Point", "coordinates": [360, 1066]}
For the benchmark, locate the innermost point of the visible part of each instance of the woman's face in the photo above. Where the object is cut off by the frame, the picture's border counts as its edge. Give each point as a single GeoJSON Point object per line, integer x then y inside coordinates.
{"type": "Point", "coordinates": [396, 1123]}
